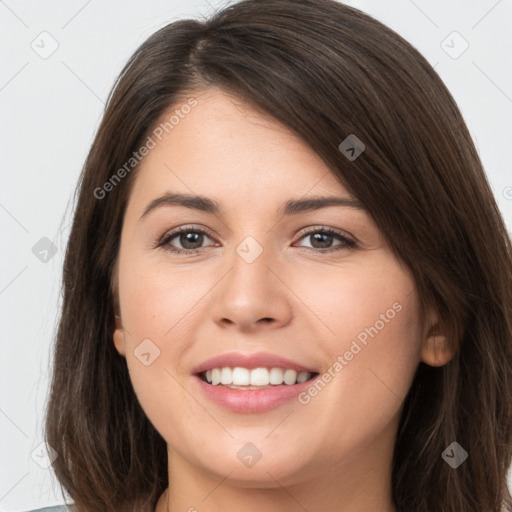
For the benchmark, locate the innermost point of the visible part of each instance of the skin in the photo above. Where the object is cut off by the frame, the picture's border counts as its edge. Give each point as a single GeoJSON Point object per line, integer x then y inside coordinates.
{"type": "Point", "coordinates": [293, 300]}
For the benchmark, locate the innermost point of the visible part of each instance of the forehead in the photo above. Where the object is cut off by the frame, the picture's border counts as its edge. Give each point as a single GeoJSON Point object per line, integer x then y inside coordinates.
{"type": "Point", "coordinates": [222, 147]}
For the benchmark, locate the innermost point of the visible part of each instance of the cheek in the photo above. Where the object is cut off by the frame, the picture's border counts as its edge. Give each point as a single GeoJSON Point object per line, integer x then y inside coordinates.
{"type": "Point", "coordinates": [374, 375]}
{"type": "Point", "coordinates": [378, 331]}
{"type": "Point", "coordinates": [356, 301]}
{"type": "Point", "coordinates": [373, 349]}
{"type": "Point", "coordinates": [154, 313]}
{"type": "Point", "coordinates": [383, 352]}
{"type": "Point", "coordinates": [156, 302]}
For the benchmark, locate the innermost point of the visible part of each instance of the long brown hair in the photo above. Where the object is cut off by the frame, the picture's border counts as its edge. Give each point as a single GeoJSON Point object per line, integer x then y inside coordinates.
{"type": "Point", "coordinates": [325, 70]}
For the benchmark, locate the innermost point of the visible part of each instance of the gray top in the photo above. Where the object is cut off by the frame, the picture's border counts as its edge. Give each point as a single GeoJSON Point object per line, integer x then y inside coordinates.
{"type": "Point", "coordinates": [57, 508]}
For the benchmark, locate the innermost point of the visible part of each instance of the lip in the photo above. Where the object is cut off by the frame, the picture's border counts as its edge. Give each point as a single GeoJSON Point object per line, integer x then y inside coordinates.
{"type": "Point", "coordinates": [251, 361]}
{"type": "Point", "coordinates": [251, 401]}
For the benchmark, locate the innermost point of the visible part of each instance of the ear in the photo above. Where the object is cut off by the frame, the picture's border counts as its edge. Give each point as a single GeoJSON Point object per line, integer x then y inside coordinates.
{"type": "Point", "coordinates": [119, 341]}
{"type": "Point", "coordinates": [118, 336]}
{"type": "Point", "coordinates": [436, 350]}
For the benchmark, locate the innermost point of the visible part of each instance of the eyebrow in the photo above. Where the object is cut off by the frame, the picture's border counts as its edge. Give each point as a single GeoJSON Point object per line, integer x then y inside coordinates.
{"type": "Point", "coordinates": [291, 207]}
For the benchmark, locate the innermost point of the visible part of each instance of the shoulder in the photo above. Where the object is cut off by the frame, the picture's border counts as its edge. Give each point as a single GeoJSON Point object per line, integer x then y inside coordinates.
{"type": "Point", "coordinates": [58, 508]}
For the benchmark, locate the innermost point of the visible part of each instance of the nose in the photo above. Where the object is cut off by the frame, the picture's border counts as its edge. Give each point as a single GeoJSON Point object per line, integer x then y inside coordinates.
{"type": "Point", "coordinates": [251, 296]}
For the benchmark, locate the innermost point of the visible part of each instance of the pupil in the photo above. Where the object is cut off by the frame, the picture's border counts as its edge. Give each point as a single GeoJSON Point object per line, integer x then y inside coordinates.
{"type": "Point", "coordinates": [190, 238]}
{"type": "Point", "coordinates": [324, 244]}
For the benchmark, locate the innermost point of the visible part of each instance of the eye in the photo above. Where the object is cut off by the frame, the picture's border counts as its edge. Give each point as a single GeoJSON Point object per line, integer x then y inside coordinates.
{"type": "Point", "coordinates": [189, 238]}
{"type": "Point", "coordinates": [322, 239]}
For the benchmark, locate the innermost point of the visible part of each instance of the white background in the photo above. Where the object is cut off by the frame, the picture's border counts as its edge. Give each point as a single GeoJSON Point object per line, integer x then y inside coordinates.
{"type": "Point", "coordinates": [50, 109]}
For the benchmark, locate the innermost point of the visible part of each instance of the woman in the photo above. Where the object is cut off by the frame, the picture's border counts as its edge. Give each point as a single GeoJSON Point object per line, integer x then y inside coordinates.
{"type": "Point", "coordinates": [287, 285]}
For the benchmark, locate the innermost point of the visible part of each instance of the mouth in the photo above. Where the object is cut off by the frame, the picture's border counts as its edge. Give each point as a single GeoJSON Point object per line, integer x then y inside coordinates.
{"type": "Point", "coordinates": [256, 390]}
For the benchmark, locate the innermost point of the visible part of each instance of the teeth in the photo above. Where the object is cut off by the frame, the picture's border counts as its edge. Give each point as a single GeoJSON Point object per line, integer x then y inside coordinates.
{"type": "Point", "coordinates": [239, 376]}
{"type": "Point", "coordinates": [226, 376]}
{"type": "Point", "coordinates": [257, 377]}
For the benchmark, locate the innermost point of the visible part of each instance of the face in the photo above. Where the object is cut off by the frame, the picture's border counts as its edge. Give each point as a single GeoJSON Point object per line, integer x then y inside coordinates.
{"type": "Point", "coordinates": [316, 286]}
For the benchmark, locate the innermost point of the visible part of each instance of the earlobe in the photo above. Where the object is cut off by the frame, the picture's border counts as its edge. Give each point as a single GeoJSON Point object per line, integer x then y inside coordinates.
{"type": "Point", "coordinates": [119, 337]}
{"type": "Point", "coordinates": [436, 349]}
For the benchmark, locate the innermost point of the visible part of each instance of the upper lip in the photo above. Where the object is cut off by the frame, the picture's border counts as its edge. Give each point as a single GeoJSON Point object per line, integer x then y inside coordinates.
{"type": "Point", "coordinates": [250, 361]}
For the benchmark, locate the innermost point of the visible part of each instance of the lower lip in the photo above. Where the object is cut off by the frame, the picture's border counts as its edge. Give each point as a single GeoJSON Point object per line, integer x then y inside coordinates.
{"type": "Point", "coordinates": [255, 400]}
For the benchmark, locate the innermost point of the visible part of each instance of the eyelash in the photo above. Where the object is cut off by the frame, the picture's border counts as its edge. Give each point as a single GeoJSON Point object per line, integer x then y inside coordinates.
{"type": "Point", "coordinates": [165, 242]}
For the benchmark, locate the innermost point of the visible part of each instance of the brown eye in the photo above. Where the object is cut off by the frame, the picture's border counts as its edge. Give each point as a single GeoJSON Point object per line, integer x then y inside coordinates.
{"type": "Point", "coordinates": [322, 240]}
{"type": "Point", "coordinates": [189, 240]}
